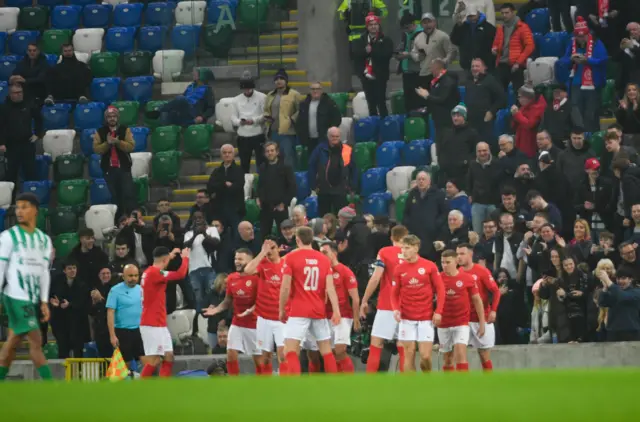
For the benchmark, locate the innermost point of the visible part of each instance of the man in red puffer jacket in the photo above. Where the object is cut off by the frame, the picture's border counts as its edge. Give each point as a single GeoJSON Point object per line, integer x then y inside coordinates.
{"type": "Point", "coordinates": [527, 118]}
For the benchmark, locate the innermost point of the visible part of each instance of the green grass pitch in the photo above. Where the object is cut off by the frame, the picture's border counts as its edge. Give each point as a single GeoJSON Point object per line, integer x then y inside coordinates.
{"type": "Point", "coordinates": [566, 396]}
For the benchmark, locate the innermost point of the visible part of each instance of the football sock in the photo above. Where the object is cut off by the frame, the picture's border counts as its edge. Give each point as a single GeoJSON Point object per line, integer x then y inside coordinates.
{"type": "Point", "coordinates": [147, 371]}
{"type": "Point", "coordinates": [448, 368]}
{"type": "Point", "coordinates": [373, 363]}
{"type": "Point", "coordinates": [313, 367]}
{"type": "Point", "coordinates": [346, 365]}
{"type": "Point", "coordinates": [259, 369]}
{"type": "Point", "coordinates": [401, 358]}
{"type": "Point", "coordinates": [267, 369]}
{"type": "Point", "coordinates": [462, 367]}
{"type": "Point", "coordinates": [233, 367]}
{"type": "Point", "coordinates": [282, 368]}
{"type": "Point", "coordinates": [44, 371]}
{"type": "Point", "coordinates": [487, 366]}
{"type": "Point", "coordinates": [293, 363]}
{"type": "Point", "coordinates": [4, 370]}
{"type": "Point", "coordinates": [330, 365]}
{"type": "Point", "coordinates": [165, 368]}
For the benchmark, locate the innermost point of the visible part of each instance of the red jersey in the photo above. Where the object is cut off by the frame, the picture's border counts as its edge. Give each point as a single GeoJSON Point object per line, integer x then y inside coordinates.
{"type": "Point", "coordinates": [486, 285]}
{"type": "Point", "coordinates": [388, 258]}
{"type": "Point", "coordinates": [413, 287]}
{"type": "Point", "coordinates": [242, 289]}
{"type": "Point", "coordinates": [344, 280]}
{"type": "Point", "coordinates": [153, 286]}
{"type": "Point", "coordinates": [270, 275]}
{"type": "Point", "coordinates": [308, 270]}
{"type": "Point", "coordinates": [457, 305]}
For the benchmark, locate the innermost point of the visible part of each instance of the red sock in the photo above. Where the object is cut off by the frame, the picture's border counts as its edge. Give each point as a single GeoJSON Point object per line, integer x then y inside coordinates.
{"type": "Point", "coordinates": [462, 367]}
{"type": "Point", "coordinates": [267, 369]}
{"type": "Point", "coordinates": [401, 358]}
{"type": "Point", "coordinates": [259, 369]}
{"type": "Point", "coordinates": [233, 368]}
{"type": "Point", "coordinates": [165, 368]}
{"type": "Point", "coordinates": [330, 365]}
{"type": "Point", "coordinates": [293, 363]}
{"type": "Point", "coordinates": [346, 365]}
{"type": "Point", "coordinates": [448, 368]}
{"type": "Point", "coordinates": [147, 371]}
{"type": "Point", "coordinates": [282, 368]}
{"type": "Point", "coordinates": [487, 366]}
{"type": "Point", "coordinates": [313, 368]}
{"type": "Point", "coordinates": [373, 363]}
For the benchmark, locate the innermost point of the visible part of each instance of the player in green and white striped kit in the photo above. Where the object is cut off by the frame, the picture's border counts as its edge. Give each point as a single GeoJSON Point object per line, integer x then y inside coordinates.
{"type": "Point", "coordinates": [25, 252]}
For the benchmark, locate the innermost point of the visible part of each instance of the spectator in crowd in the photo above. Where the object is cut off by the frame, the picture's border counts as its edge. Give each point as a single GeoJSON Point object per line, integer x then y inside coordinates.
{"type": "Point", "coordinates": [217, 294]}
{"type": "Point", "coordinates": [474, 36]}
{"type": "Point", "coordinates": [89, 259]}
{"type": "Point", "coordinates": [483, 186]}
{"type": "Point", "coordinates": [122, 258]}
{"type": "Point", "coordinates": [628, 115]}
{"type": "Point", "coordinates": [527, 118]}
{"type": "Point", "coordinates": [68, 80]}
{"type": "Point", "coordinates": [575, 284]}
{"type": "Point", "coordinates": [372, 53]}
{"type": "Point", "coordinates": [138, 237]}
{"type": "Point", "coordinates": [554, 290]}
{"type": "Point", "coordinates": [299, 216]}
{"type": "Point", "coordinates": [629, 56]}
{"type": "Point", "coordinates": [457, 199]}
{"type": "Point", "coordinates": [246, 238]}
{"type": "Point", "coordinates": [623, 302]}
{"type": "Point", "coordinates": [509, 204]}
{"type": "Point", "coordinates": [332, 225]}
{"type": "Point", "coordinates": [114, 142]}
{"type": "Point", "coordinates": [332, 172]}
{"type": "Point", "coordinates": [512, 46]}
{"type": "Point", "coordinates": [407, 67]}
{"type": "Point", "coordinates": [580, 246]}
{"type": "Point", "coordinates": [201, 204]}
{"type": "Point", "coordinates": [17, 136]}
{"type": "Point", "coordinates": [380, 234]}
{"type": "Point", "coordinates": [607, 20]}
{"type": "Point", "coordinates": [441, 96]}
{"type": "Point", "coordinates": [224, 251]}
{"type": "Point", "coordinates": [633, 232]}
{"type": "Point", "coordinates": [559, 119]}
{"type": "Point", "coordinates": [523, 182]}
{"type": "Point", "coordinates": [613, 147]}
{"type": "Point", "coordinates": [506, 246]}
{"type": "Point", "coordinates": [509, 159]}
{"type": "Point", "coordinates": [572, 160]}
{"type": "Point", "coordinates": [163, 208]}
{"type": "Point", "coordinates": [540, 333]}
{"type": "Point", "coordinates": [318, 113]}
{"type": "Point", "coordinates": [630, 261]}
{"type": "Point", "coordinates": [287, 238]}
{"type": "Point", "coordinates": [484, 97]}
{"type": "Point", "coordinates": [31, 72]}
{"type": "Point", "coordinates": [483, 250]}
{"type": "Point", "coordinates": [538, 203]}
{"type": "Point", "coordinates": [457, 145]}
{"type": "Point", "coordinates": [226, 190]}
{"type": "Point", "coordinates": [604, 250]}
{"type": "Point", "coordinates": [561, 9]}
{"type": "Point", "coordinates": [274, 203]}
{"type": "Point", "coordinates": [195, 106]}
{"type": "Point", "coordinates": [545, 144]}
{"type": "Point", "coordinates": [543, 257]}
{"type": "Point", "coordinates": [526, 8]}
{"type": "Point", "coordinates": [510, 315]}
{"type": "Point", "coordinates": [530, 251]}
{"type": "Point", "coordinates": [486, 7]}
{"type": "Point", "coordinates": [165, 234]}
{"type": "Point", "coordinates": [627, 194]}
{"type": "Point", "coordinates": [248, 117]}
{"type": "Point", "coordinates": [98, 313]}
{"type": "Point", "coordinates": [356, 251]}
{"type": "Point", "coordinates": [425, 203]}
{"type": "Point", "coordinates": [281, 109]}
{"type": "Point", "coordinates": [586, 58]}
{"type": "Point", "coordinates": [429, 45]}
{"type": "Point", "coordinates": [319, 231]}
{"type": "Point", "coordinates": [593, 198]}
{"type": "Point", "coordinates": [455, 233]}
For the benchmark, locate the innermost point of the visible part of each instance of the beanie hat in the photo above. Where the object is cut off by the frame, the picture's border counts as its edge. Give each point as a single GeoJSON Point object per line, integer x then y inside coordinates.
{"type": "Point", "coordinates": [246, 81]}
{"type": "Point", "coordinates": [527, 91]}
{"type": "Point", "coordinates": [111, 110]}
{"type": "Point", "coordinates": [348, 213]}
{"type": "Point", "coordinates": [371, 18]}
{"type": "Point", "coordinates": [592, 164]}
{"type": "Point", "coordinates": [281, 74]}
{"type": "Point", "coordinates": [460, 109]}
{"type": "Point", "coordinates": [581, 27]}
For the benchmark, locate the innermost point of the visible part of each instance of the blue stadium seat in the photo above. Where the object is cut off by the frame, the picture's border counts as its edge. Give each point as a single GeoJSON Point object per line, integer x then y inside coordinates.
{"type": "Point", "coordinates": [66, 17]}
{"type": "Point", "coordinates": [4, 91]}
{"type": "Point", "coordinates": [56, 116]}
{"type": "Point", "coordinates": [140, 135]}
{"type": "Point", "coordinates": [159, 14]}
{"type": "Point", "coordinates": [561, 73]}
{"type": "Point", "coordinates": [19, 41]}
{"type": "Point", "coordinates": [151, 38]}
{"type": "Point", "coordinates": [3, 42]}
{"type": "Point", "coordinates": [186, 38]}
{"type": "Point", "coordinates": [537, 40]}
{"type": "Point", "coordinates": [374, 180]}
{"type": "Point", "coordinates": [417, 153]}
{"type": "Point", "coordinates": [17, 3]}
{"type": "Point", "coordinates": [392, 128]}
{"type": "Point", "coordinates": [82, 2]}
{"type": "Point", "coordinates": [86, 142]}
{"type": "Point", "coordinates": [90, 350]}
{"type": "Point", "coordinates": [366, 129]}
{"type": "Point", "coordinates": [7, 65]}
{"type": "Point", "coordinates": [99, 193]}
{"type": "Point", "coordinates": [128, 14]}
{"type": "Point", "coordinates": [511, 96]}
{"type": "Point", "coordinates": [377, 204]}
{"type": "Point", "coordinates": [95, 171]}
{"type": "Point", "coordinates": [42, 167]}
{"type": "Point", "coordinates": [389, 154]}
{"type": "Point", "coordinates": [138, 88]}
{"type": "Point", "coordinates": [216, 7]}
{"type": "Point", "coordinates": [502, 124]}
{"type": "Point", "coordinates": [311, 204]}
{"type": "Point", "coordinates": [96, 15]}
{"type": "Point", "coordinates": [40, 188]}
{"type": "Point", "coordinates": [3, 214]}
{"type": "Point", "coordinates": [302, 182]}
{"type": "Point", "coordinates": [52, 59]}
{"type": "Point", "coordinates": [105, 90]}
{"type": "Point", "coordinates": [462, 91]}
{"type": "Point", "coordinates": [554, 44]}
{"type": "Point", "coordinates": [89, 115]}
{"type": "Point", "coordinates": [432, 128]}
{"type": "Point", "coordinates": [538, 21]}
{"type": "Point", "coordinates": [120, 39]}
{"type": "Point", "coordinates": [50, 3]}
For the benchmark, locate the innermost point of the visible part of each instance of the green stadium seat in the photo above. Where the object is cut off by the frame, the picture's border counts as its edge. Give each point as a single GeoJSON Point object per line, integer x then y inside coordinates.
{"type": "Point", "coordinates": [252, 14]}
{"type": "Point", "coordinates": [415, 128]}
{"type": "Point", "coordinates": [142, 189]}
{"type": "Point", "coordinates": [597, 142]}
{"type": "Point", "coordinates": [165, 138]}
{"type": "Point", "coordinates": [218, 43]}
{"type": "Point", "coordinates": [105, 64]}
{"type": "Point", "coordinates": [302, 158]}
{"type": "Point", "coordinates": [546, 91]}
{"type": "Point", "coordinates": [165, 166]}
{"type": "Point", "coordinates": [50, 350]}
{"type": "Point", "coordinates": [68, 166]}
{"type": "Point", "coordinates": [364, 154]}
{"type": "Point", "coordinates": [53, 39]}
{"type": "Point", "coordinates": [253, 211]}
{"type": "Point", "coordinates": [41, 222]}
{"type": "Point", "coordinates": [614, 70]}
{"type": "Point", "coordinates": [136, 63]}
{"type": "Point", "coordinates": [354, 198]}
{"type": "Point", "coordinates": [64, 244]}
{"type": "Point", "coordinates": [128, 112]}
{"type": "Point", "coordinates": [63, 219]}
{"type": "Point", "coordinates": [153, 106]}
{"type": "Point", "coordinates": [197, 139]}
{"type": "Point", "coordinates": [401, 204]}
{"type": "Point", "coordinates": [397, 102]}
{"type": "Point", "coordinates": [73, 192]}
{"type": "Point", "coordinates": [254, 188]}
{"type": "Point", "coordinates": [341, 99]}
{"type": "Point", "coordinates": [609, 95]}
{"type": "Point", "coordinates": [34, 18]}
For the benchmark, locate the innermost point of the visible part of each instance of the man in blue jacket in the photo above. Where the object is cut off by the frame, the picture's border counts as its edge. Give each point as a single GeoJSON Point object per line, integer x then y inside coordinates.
{"type": "Point", "coordinates": [623, 300]}
{"type": "Point", "coordinates": [332, 173]}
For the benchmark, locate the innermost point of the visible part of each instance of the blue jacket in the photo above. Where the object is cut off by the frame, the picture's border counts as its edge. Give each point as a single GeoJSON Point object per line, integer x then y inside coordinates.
{"type": "Point", "coordinates": [461, 203]}
{"type": "Point", "coordinates": [598, 63]}
{"type": "Point", "coordinates": [624, 308]}
{"type": "Point", "coordinates": [316, 174]}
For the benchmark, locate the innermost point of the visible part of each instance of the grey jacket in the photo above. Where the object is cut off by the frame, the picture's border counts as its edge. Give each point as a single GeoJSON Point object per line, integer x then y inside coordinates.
{"type": "Point", "coordinates": [426, 48]}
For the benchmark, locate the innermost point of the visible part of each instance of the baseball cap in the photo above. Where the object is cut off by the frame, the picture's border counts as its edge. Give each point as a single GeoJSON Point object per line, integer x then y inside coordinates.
{"type": "Point", "coordinates": [428, 16]}
{"type": "Point", "coordinates": [287, 224]}
{"type": "Point", "coordinates": [592, 164]}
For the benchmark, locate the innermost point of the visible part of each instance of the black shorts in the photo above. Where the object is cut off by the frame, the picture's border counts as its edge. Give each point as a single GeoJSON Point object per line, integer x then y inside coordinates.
{"type": "Point", "coordinates": [130, 343]}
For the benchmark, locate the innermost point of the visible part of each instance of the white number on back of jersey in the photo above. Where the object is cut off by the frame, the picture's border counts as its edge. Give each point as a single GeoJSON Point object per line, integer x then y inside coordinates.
{"type": "Point", "coordinates": [312, 275]}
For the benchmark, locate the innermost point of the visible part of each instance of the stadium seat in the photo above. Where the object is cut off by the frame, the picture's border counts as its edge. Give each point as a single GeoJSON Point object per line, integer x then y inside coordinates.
{"type": "Point", "coordinates": [73, 193]}
{"type": "Point", "coordinates": [82, 2]}
{"type": "Point", "coordinates": [417, 153]}
{"type": "Point", "coordinates": [341, 99]}
{"type": "Point", "coordinates": [42, 167]}
{"type": "Point", "coordinates": [197, 139]}
{"type": "Point", "coordinates": [104, 65]}
{"type": "Point", "coordinates": [138, 88]}
{"type": "Point", "coordinates": [142, 189]}
{"type": "Point", "coordinates": [609, 95]}
{"type": "Point", "coordinates": [165, 166]}
{"type": "Point", "coordinates": [345, 129]}
{"type": "Point", "coordinates": [360, 107]}
{"type": "Point", "coordinates": [140, 135]}
{"type": "Point", "coordinates": [538, 21]}
{"type": "Point", "coordinates": [462, 92]}
{"type": "Point", "coordinates": [88, 40]}
{"type": "Point", "coordinates": [311, 205]}
{"type": "Point", "coordinates": [3, 214]}
{"type": "Point", "coordinates": [167, 64]}
{"type": "Point", "coordinates": [553, 44]}
{"type": "Point", "coordinates": [399, 180]}
{"type": "Point", "coordinates": [140, 162]}
{"type": "Point", "coordinates": [400, 205]}
{"type": "Point", "coordinates": [389, 154]}
{"type": "Point", "coordinates": [248, 185]}
{"type": "Point", "coordinates": [53, 39]}
{"type": "Point", "coordinates": [40, 188]}
{"type": "Point", "coordinates": [302, 158]}
{"type": "Point", "coordinates": [165, 138]}
{"type": "Point", "coordinates": [364, 154]}
{"type": "Point", "coordinates": [186, 37]}
{"type": "Point", "coordinates": [89, 115]}
{"type": "Point", "coordinates": [56, 116]}
{"type": "Point", "coordinates": [86, 142]}
{"type": "Point", "coordinates": [366, 129]}
{"type": "Point", "coordinates": [374, 180]}
{"type": "Point", "coordinates": [377, 204]}
{"type": "Point", "coordinates": [52, 59]}
{"type": "Point", "coordinates": [6, 192]}
{"type": "Point", "coordinates": [190, 12]}
{"type": "Point", "coordinates": [4, 91]}
{"type": "Point", "coordinates": [302, 184]}
{"type": "Point", "coordinates": [7, 66]}
{"type": "Point", "coordinates": [120, 39]}
{"type": "Point", "coordinates": [502, 124]}
{"type": "Point", "coordinates": [115, 2]}
{"type": "Point", "coordinates": [391, 128]}
{"type": "Point", "coordinates": [9, 19]}
{"type": "Point", "coordinates": [136, 63]}
{"type": "Point", "coordinates": [96, 16]}
{"type": "Point", "coordinates": [64, 244]}
{"type": "Point", "coordinates": [217, 9]}
{"type": "Point", "coordinates": [397, 102]}
{"type": "Point", "coordinates": [159, 13]}
{"type": "Point", "coordinates": [155, 106]}
{"type": "Point", "coordinates": [68, 166]}
{"type": "Point", "coordinates": [180, 325]}
{"type": "Point", "coordinates": [42, 218]}
{"type": "Point", "coordinates": [63, 219]}
{"type": "Point", "coordinates": [50, 3]}
{"type": "Point", "coordinates": [415, 128]}
{"type": "Point", "coordinates": [95, 171]}
{"type": "Point", "coordinates": [66, 17]}
{"type": "Point", "coordinates": [18, 3]}
{"type": "Point", "coordinates": [224, 110]}
{"type": "Point", "coordinates": [105, 90]}
{"type": "Point", "coordinates": [3, 42]}
{"type": "Point", "coordinates": [151, 38]}
{"type": "Point", "coordinates": [128, 112]}
{"type": "Point", "coordinates": [100, 217]}
{"type": "Point", "coordinates": [80, 56]}
{"type": "Point", "coordinates": [252, 13]}
{"type": "Point", "coordinates": [597, 142]}
{"type": "Point", "coordinates": [511, 96]}
{"type": "Point", "coordinates": [128, 14]}
{"type": "Point", "coordinates": [218, 41]}
{"type": "Point", "coordinates": [19, 40]}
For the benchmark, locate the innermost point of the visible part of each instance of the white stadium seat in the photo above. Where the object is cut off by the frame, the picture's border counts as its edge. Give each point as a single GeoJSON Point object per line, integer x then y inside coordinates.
{"type": "Point", "coordinates": [88, 40]}
{"type": "Point", "coordinates": [9, 19]}
{"type": "Point", "coordinates": [224, 111]}
{"type": "Point", "coordinates": [167, 64]}
{"type": "Point", "coordinates": [248, 185]}
{"type": "Point", "coordinates": [6, 193]}
{"type": "Point", "coordinates": [203, 333]}
{"type": "Point", "coordinates": [180, 325]}
{"type": "Point", "coordinates": [542, 70]}
{"type": "Point", "coordinates": [190, 12]}
{"type": "Point", "coordinates": [58, 142]}
{"type": "Point", "coordinates": [100, 217]}
{"type": "Point", "coordinates": [83, 57]}
{"type": "Point", "coordinates": [140, 164]}
{"type": "Point", "coordinates": [360, 107]}
{"type": "Point", "coordinates": [114, 3]}
{"type": "Point", "coordinates": [399, 180]}
{"type": "Point", "coordinates": [345, 129]}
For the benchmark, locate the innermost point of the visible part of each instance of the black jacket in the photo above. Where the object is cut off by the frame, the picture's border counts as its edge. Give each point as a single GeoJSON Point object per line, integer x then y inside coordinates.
{"type": "Point", "coordinates": [558, 123]}
{"type": "Point", "coordinates": [123, 157]}
{"type": "Point", "coordinates": [424, 216]}
{"type": "Point", "coordinates": [522, 187]}
{"type": "Point", "coordinates": [68, 80]}
{"type": "Point", "coordinates": [277, 175]}
{"type": "Point", "coordinates": [601, 198]}
{"type": "Point", "coordinates": [482, 182]}
{"type": "Point", "coordinates": [89, 264]}
{"type": "Point", "coordinates": [554, 187]}
{"type": "Point", "coordinates": [443, 97]}
{"type": "Point", "coordinates": [514, 242]}
{"type": "Point", "coordinates": [485, 94]}
{"type": "Point", "coordinates": [117, 265]}
{"type": "Point", "coordinates": [607, 157]}
{"type": "Point", "coordinates": [571, 163]}
{"type": "Point", "coordinates": [359, 248]}
{"type": "Point", "coordinates": [74, 318]}
{"type": "Point", "coordinates": [15, 123]}
{"type": "Point", "coordinates": [629, 120]}
{"type": "Point", "coordinates": [214, 299]}
{"type": "Point", "coordinates": [474, 41]}
{"type": "Point", "coordinates": [452, 239]}
{"type": "Point", "coordinates": [381, 53]}
{"type": "Point", "coordinates": [34, 74]}
{"type": "Point", "coordinates": [147, 235]}
{"type": "Point", "coordinates": [624, 307]}
{"type": "Point", "coordinates": [457, 147]}
{"type": "Point", "coordinates": [519, 217]}
{"type": "Point", "coordinates": [508, 165]}
{"type": "Point", "coordinates": [328, 115]}
{"type": "Point", "coordinates": [630, 183]}
{"type": "Point", "coordinates": [223, 195]}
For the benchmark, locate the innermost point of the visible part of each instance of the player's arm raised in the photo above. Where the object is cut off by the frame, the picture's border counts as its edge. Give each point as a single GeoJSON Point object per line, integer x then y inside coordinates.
{"type": "Point", "coordinates": [285, 291]}
{"type": "Point", "coordinates": [492, 286]}
{"type": "Point", "coordinates": [333, 298]}
{"type": "Point", "coordinates": [372, 285]}
{"type": "Point", "coordinates": [181, 274]}
{"type": "Point", "coordinates": [438, 286]}
{"type": "Point", "coordinates": [252, 266]}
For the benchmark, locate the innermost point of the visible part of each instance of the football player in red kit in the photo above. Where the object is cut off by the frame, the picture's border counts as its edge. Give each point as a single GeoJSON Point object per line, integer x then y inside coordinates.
{"type": "Point", "coordinates": [346, 287]}
{"type": "Point", "coordinates": [156, 339]}
{"type": "Point", "coordinates": [415, 281]}
{"type": "Point", "coordinates": [453, 332]}
{"type": "Point", "coordinates": [241, 294]}
{"type": "Point", "coordinates": [307, 282]}
{"type": "Point", "coordinates": [486, 286]}
{"type": "Point", "coordinates": [385, 327]}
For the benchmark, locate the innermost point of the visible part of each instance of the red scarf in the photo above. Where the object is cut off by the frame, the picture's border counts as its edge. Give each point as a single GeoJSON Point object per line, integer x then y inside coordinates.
{"type": "Point", "coordinates": [603, 9]}
{"type": "Point", "coordinates": [368, 65]}
{"type": "Point", "coordinates": [587, 73]}
{"type": "Point", "coordinates": [435, 80]}
{"type": "Point", "coordinates": [114, 159]}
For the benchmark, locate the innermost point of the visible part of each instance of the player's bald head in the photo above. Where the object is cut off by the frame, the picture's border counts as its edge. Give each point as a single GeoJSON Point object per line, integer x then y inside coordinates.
{"type": "Point", "coordinates": [130, 274]}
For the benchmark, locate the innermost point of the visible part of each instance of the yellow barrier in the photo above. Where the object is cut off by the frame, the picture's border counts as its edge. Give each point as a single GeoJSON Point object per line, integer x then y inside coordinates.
{"type": "Point", "coordinates": [85, 369]}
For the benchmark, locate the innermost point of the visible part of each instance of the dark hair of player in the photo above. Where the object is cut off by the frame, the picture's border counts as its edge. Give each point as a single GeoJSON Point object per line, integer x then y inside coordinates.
{"type": "Point", "coordinates": [305, 235]}
{"type": "Point", "coordinates": [398, 233]}
{"type": "Point", "coordinates": [245, 251]}
{"type": "Point", "coordinates": [160, 252]}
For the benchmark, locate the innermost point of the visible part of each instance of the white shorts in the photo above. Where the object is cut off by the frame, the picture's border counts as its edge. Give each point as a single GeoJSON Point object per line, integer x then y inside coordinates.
{"type": "Point", "coordinates": [156, 340]}
{"type": "Point", "coordinates": [341, 333]}
{"type": "Point", "coordinates": [242, 340]}
{"type": "Point", "coordinates": [420, 331]}
{"type": "Point", "coordinates": [296, 328]}
{"type": "Point", "coordinates": [385, 325]}
{"type": "Point", "coordinates": [268, 333]}
{"type": "Point", "coordinates": [453, 335]}
{"type": "Point", "coordinates": [309, 343]}
{"type": "Point", "coordinates": [485, 342]}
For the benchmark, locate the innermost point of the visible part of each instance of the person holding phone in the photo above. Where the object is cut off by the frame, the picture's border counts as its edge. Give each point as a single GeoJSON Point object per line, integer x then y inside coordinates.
{"type": "Point", "coordinates": [247, 117]}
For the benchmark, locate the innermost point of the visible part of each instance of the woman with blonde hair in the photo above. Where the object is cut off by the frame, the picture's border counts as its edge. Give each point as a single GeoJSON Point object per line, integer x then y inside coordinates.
{"type": "Point", "coordinates": [580, 247]}
{"type": "Point", "coordinates": [223, 319]}
{"type": "Point", "coordinates": [596, 315]}
{"type": "Point", "coordinates": [628, 115]}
